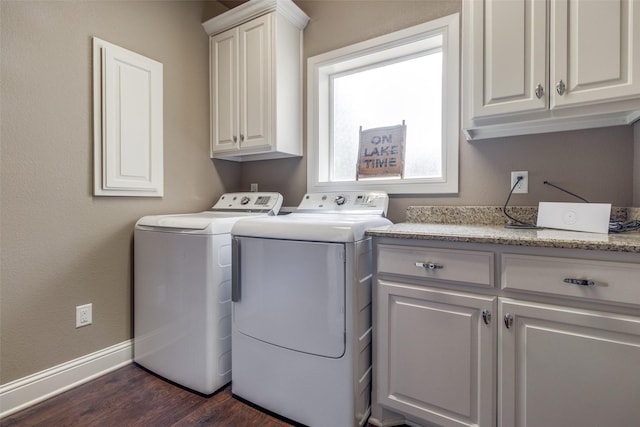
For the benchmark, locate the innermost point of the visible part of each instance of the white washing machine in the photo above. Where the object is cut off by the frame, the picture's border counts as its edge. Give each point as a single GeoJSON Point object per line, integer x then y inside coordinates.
{"type": "Point", "coordinates": [182, 290]}
{"type": "Point", "coordinates": [301, 332]}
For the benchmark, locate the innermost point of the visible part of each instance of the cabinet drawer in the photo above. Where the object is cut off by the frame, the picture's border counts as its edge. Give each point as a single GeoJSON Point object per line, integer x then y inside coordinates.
{"type": "Point", "coordinates": [596, 280]}
{"type": "Point", "coordinates": [441, 264]}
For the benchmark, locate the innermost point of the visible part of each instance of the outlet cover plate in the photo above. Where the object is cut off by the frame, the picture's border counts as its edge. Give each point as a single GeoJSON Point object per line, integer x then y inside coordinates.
{"type": "Point", "coordinates": [590, 217]}
{"type": "Point", "coordinates": [523, 185]}
{"type": "Point", "coordinates": [84, 315]}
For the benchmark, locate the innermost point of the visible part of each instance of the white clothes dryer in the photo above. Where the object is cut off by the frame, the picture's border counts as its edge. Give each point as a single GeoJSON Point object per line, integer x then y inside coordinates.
{"type": "Point", "coordinates": [182, 290]}
{"type": "Point", "coordinates": [301, 331]}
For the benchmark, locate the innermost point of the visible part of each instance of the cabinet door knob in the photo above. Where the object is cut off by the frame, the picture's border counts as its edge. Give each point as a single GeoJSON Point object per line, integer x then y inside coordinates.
{"type": "Point", "coordinates": [241, 137]}
{"type": "Point", "coordinates": [429, 265]}
{"type": "Point", "coordinates": [561, 88]}
{"type": "Point", "coordinates": [508, 320]}
{"type": "Point", "coordinates": [235, 139]}
{"type": "Point", "coordinates": [486, 316]}
{"type": "Point", "coordinates": [539, 91]}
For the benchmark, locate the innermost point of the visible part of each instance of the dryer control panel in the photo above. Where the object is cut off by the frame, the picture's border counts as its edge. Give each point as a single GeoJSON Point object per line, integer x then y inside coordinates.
{"type": "Point", "coordinates": [354, 202]}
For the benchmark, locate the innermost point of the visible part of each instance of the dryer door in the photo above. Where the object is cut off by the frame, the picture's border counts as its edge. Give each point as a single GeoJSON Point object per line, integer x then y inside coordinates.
{"type": "Point", "coordinates": [291, 294]}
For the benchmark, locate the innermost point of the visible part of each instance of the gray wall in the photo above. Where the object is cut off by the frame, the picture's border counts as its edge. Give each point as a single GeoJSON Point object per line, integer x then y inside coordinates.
{"type": "Point", "coordinates": [60, 246]}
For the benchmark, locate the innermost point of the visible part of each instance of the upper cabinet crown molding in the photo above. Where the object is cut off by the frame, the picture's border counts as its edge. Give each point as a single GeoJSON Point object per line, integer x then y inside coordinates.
{"type": "Point", "coordinates": [534, 66]}
{"type": "Point", "coordinates": [253, 9]}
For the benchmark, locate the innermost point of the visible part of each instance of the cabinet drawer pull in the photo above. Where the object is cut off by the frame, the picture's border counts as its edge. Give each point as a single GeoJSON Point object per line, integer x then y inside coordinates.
{"type": "Point", "coordinates": [561, 88]}
{"type": "Point", "coordinates": [486, 316]}
{"type": "Point", "coordinates": [429, 265]}
{"type": "Point", "coordinates": [508, 320]}
{"type": "Point", "coordinates": [581, 282]}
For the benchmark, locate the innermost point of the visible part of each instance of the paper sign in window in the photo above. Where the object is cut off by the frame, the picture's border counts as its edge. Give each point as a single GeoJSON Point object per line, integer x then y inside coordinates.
{"type": "Point", "coordinates": [381, 152]}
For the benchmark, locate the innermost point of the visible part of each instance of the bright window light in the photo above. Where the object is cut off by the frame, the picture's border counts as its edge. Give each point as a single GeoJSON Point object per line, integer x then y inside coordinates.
{"type": "Point", "coordinates": [409, 77]}
{"type": "Point", "coordinates": [408, 91]}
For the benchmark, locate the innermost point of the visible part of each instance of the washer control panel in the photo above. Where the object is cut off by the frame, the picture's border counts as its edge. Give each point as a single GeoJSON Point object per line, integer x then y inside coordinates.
{"type": "Point", "coordinates": [352, 201]}
{"type": "Point", "coordinates": [254, 202]}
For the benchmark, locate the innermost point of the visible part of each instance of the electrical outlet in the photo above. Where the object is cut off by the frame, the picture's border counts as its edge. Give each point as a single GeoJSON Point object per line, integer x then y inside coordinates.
{"type": "Point", "coordinates": [254, 188]}
{"type": "Point", "coordinates": [84, 315]}
{"type": "Point", "coordinates": [523, 185]}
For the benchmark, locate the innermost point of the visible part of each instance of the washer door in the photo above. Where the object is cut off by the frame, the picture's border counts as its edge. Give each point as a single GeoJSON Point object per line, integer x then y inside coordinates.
{"type": "Point", "coordinates": [291, 294]}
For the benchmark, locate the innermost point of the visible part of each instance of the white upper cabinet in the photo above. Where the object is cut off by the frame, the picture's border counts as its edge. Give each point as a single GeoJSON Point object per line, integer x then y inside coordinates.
{"type": "Point", "coordinates": [256, 81]}
{"type": "Point", "coordinates": [533, 66]}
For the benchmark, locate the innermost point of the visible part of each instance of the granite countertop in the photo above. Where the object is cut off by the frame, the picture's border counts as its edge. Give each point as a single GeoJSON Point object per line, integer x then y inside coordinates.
{"type": "Point", "coordinates": [435, 223]}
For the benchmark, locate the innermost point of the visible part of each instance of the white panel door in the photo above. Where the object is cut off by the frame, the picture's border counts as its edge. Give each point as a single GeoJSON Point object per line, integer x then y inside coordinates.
{"type": "Point", "coordinates": [292, 294]}
{"type": "Point", "coordinates": [256, 82]}
{"type": "Point", "coordinates": [595, 51]}
{"type": "Point", "coordinates": [509, 59]}
{"type": "Point", "coordinates": [568, 367]}
{"type": "Point", "coordinates": [435, 354]}
{"type": "Point", "coordinates": [128, 122]}
{"type": "Point", "coordinates": [224, 91]}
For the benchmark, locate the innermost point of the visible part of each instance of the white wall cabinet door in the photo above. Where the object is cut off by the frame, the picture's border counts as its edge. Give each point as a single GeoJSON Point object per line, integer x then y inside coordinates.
{"type": "Point", "coordinates": [595, 49]}
{"type": "Point", "coordinates": [509, 64]}
{"type": "Point", "coordinates": [241, 85]}
{"type": "Point", "coordinates": [256, 83]}
{"type": "Point", "coordinates": [435, 355]}
{"type": "Point", "coordinates": [225, 98]}
{"type": "Point", "coordinates": [128, 122]}
{"type": "Point", "coordinates": [567, 367]}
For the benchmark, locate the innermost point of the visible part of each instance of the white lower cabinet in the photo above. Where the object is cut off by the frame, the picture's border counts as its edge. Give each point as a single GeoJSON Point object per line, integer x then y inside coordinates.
{"type": "Point", "coordinates": [438, 351]}
{"type": "Point", "coordinates": [557, 343]}
{"type": "Point", "coordinates": [561, 367]}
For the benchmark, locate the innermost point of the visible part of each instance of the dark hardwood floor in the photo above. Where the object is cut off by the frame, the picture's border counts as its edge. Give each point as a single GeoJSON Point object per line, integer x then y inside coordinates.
{"type": "Point", "coordinates": [131, 396]}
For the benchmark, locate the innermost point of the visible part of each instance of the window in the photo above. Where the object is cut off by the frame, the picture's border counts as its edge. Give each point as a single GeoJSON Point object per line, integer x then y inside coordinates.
{"type": "Point", "coordinates": [408, 78]}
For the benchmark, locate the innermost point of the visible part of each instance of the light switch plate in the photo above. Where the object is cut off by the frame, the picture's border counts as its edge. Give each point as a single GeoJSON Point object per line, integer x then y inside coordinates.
{"type": "Point", "coordinates": [591, 217]}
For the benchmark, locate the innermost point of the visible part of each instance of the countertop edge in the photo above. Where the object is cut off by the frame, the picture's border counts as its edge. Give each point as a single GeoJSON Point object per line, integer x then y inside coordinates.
{"type": "Point", "coordinates": [623, 242]}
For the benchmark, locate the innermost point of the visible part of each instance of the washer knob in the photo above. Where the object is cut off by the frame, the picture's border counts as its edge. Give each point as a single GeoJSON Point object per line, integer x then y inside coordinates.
{"type": "Point", "coordinates": [340, 200]}
{"type": "Point", "coordinates": [245, 200]}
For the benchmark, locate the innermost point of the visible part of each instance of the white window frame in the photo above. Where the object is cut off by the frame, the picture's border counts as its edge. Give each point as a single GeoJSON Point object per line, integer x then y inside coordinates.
{"type": "Point", "coordinates": [319, 71]}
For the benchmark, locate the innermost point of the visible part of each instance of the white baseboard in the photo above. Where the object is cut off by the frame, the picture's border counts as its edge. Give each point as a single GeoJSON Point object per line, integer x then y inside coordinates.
{"type": "Point", "coordinates": [27, 391]}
